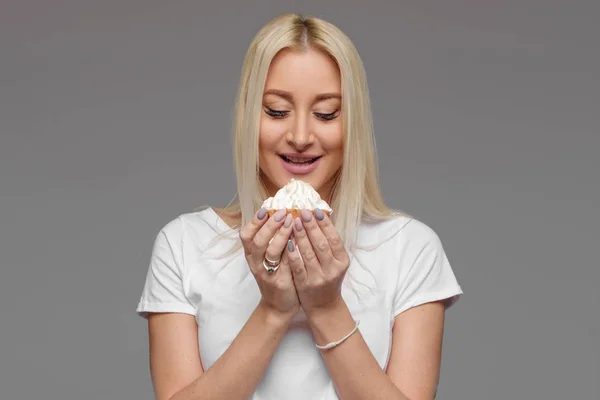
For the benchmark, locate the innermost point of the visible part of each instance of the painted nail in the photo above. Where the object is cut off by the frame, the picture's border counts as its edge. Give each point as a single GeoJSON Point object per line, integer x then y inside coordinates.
{"type": "Point", "coordinates": [290, 246]}
{"type": "Point", "coordinates": [288, 221]}
{"type": "Point", "coordinates": [278, 216]}
{"type": "Point", "coordinates": [298, 224]}
{"type": "Point", "coordinates": [261, 213]}
{"type": "Point", "coordinates": [319, 214]}
{"type": "Point", "coordinates": [306, 215]}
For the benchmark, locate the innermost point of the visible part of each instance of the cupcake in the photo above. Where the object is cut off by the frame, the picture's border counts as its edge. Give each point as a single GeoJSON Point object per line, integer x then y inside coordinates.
{"type": "Point", "coordinates": [295, 196]}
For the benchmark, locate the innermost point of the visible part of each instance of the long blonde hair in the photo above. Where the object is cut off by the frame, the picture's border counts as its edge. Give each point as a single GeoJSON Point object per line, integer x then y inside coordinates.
{"type": "Point", "coordinates": [356, 195]}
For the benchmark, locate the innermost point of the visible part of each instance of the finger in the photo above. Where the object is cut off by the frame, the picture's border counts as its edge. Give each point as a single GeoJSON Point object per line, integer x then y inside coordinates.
{"type": "Point", "coordinates": [317, 239]}
{"type": "Point", "coordinates": [295, 263]}
{"type": "Point", "coordinates": [336, 244]}
{"type": "Point", "coordinates": [278, 242]}
{"type": "Point", "coordinates": [309, 257]}
{"type": "Point", "coordinates": [261, 239]}
{"type": "Point", "coordinates": [248, 231]}
{"type": "Point", "coordinates": [284, 270]}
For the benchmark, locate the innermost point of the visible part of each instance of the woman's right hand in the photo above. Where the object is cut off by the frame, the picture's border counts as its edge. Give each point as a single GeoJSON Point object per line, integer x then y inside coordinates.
{"type": "Point", "coordinates": [268, 237]}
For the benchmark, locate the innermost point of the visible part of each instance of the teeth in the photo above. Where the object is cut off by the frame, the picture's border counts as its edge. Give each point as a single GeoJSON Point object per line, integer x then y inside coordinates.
{"type": "Point", "coordinates": [299, 160]}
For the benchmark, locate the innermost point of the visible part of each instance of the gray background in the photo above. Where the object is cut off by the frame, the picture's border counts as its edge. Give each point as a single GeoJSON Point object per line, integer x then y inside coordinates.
{"type": "Point", "coordinates": [115, 118]}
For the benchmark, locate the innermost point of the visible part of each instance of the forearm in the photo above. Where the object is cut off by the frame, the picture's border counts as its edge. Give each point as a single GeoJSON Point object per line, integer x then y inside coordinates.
{"type": "Point", "coordinates": [352, 367]}
{"type": "Point", "coordinates": [236, 374]}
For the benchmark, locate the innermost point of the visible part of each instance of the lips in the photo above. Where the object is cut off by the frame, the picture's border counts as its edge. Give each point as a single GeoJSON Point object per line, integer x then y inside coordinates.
{"type": "Point", "coordinates": [299, 160]}
{"type": "Point", "coordinates": [299, 164]}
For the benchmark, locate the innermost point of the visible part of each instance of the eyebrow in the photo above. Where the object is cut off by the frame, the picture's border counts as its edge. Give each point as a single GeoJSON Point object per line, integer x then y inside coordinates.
{"type": "Point", "coordinates": [289, 97]}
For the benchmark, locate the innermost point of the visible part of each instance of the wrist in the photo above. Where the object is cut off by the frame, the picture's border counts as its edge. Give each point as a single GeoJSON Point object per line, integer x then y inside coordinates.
{"type": "Point", "coordinates": [274, 317]}
{"type": "Point", "coordinates": [332, 323]}
{"type": "Point", "coordinates": [326, 311]}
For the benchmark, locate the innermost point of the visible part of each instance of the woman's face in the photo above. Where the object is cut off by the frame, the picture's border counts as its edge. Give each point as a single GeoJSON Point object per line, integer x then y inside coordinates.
{"type": "Point", "coordinates": [301, 133]}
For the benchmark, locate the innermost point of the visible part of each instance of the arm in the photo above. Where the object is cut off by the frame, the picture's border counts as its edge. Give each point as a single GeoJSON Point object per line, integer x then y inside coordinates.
{"type": "Point", "coordinates": [422, 295]}
{"type": "Point", "coordinates": [413, 368]}
{"type": "Point", "coordinates": [175, 364]}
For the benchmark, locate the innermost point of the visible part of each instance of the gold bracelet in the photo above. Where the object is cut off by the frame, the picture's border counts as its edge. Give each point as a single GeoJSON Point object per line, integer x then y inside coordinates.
{"type": "Point", "coordinates": [333, 344]}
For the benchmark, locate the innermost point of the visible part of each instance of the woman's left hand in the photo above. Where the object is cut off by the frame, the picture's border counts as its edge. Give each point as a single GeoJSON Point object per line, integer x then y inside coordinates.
{"type": "Point", "coordinates": [319, 262]}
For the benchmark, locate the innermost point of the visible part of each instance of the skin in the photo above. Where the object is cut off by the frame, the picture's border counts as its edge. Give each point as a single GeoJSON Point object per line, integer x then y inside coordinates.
{"type": "Point", "coordinates": [301, 114]}
{"type": "Point", "coordinates": [312, 280]}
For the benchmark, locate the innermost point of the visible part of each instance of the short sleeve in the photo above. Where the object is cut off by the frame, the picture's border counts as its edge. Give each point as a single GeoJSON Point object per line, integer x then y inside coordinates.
{"type": "Point", "coordinates": [426, 274]}
{"type": "Point", "coordinates": [164, 286]}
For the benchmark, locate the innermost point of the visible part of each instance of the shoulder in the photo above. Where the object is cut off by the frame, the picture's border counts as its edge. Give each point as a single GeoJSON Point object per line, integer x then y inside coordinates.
{"type": "Point", "coordinates": [203, 223]}
{"type": "Point", "coordinates": [418, 232]}
{"type": "Point", "coordinates": [402, 229]}
{"type": "Point", "coordinates": [419, 241]}
{"type": "Point", "coordinates": [404, 240]}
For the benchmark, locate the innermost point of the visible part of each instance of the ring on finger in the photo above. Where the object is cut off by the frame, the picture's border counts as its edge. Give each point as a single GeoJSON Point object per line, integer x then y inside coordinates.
{"type": "Point", "coordinates": [271, 263]}
{"type": "Point", "coordinates": [271, 267]}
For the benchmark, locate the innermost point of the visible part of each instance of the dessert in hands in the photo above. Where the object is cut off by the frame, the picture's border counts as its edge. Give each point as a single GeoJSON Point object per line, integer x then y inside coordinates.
{"type": "Point", "coordinates": [295, 196]}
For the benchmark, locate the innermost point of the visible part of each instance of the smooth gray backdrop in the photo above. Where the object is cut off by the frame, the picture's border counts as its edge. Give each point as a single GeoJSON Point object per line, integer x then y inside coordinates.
{"type": "Point", "coordinates": [115, 117]}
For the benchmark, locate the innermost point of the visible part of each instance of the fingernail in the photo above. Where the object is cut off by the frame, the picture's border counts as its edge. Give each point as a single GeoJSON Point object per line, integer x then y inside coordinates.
{"type": "Point", "coordinates": [278, 216]}
{"type": "Point", "coordinates": [306, 215]}
{"type": "Point", "coordinates": [261, 213]}
{"type": "Point", "coordinates": [319, 214]}
{"type": "Point", "coordinates": [290, 246]}
{"type": "Point", "coordinates": [298, 224]}
{"type": "Point", "coordinates": [288, 221]}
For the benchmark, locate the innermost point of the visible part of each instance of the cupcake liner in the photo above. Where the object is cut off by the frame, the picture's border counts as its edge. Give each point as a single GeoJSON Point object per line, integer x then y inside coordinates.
{"type": "Point", "coordinates": [295, 212]}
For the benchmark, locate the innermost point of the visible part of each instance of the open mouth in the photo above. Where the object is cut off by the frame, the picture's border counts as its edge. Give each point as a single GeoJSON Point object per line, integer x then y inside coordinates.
{"type": "Point", "coordinates": [299, 160]}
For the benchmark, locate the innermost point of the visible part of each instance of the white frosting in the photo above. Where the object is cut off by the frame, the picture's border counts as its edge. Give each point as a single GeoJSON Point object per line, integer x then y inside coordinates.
{"type": "Point", "coordinates": [296, 195]}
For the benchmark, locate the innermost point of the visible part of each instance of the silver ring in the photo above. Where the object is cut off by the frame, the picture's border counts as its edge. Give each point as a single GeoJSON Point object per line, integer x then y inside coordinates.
{"type": "Point", "coordinates": [271, 267]}
{"type": "Point", "coordinates": [271, 263]}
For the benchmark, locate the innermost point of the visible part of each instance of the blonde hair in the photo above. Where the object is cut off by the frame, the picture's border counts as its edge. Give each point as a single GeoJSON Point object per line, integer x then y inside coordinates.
{"type": "Point", "coordinates": [357, 183]}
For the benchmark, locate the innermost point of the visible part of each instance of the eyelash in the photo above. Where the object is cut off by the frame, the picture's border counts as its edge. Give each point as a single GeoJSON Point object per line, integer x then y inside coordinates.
{"type": "Point", "coordinates": [282, 114]}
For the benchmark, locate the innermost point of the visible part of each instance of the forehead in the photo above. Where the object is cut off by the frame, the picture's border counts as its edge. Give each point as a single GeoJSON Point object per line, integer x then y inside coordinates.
{"type": "Point", "coordinates": [308, 71]}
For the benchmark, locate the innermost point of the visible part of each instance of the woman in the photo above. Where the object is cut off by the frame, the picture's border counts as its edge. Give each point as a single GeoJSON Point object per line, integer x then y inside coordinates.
{"type": "Point", "coordinates": [222, 327]}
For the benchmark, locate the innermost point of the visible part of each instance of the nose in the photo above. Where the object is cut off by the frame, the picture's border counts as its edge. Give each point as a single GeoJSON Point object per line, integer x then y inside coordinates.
{"type": "Point", "coordinates": [300, 135]}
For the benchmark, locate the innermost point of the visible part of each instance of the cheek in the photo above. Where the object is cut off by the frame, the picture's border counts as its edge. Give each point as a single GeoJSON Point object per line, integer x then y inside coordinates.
{"type": "Point", "coordinates": [332, 138]}
{"type": "Point", "coordinates": [270, 132]}
{"type": "Point", "coordinates": [269, 136]}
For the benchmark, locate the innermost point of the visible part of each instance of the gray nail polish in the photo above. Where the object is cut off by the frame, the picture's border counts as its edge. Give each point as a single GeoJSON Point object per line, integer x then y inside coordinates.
{"type": "Point", "coordinates": [319, 214]}
{"type": "Point", "coordinates": [278, 216]}
{"type": "Point", "coordinates": [288, 221]}
{"type": "Point", "coordinates": [306, 215]}
{"type": "Point", "coordinates": [261, 213]}
{"type": "Point", "coordinates": [298, 224]}
{"type": "Point", "coordinates": [290, 246]}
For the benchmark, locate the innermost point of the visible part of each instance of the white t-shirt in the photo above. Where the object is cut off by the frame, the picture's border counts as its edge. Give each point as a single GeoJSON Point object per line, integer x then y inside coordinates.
{"type": "Point", "coordinates": [401, 260]}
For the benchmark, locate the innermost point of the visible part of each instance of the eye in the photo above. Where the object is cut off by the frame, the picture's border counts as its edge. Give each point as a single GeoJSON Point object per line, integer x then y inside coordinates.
{"type": "Point", "coordinates": [276, 113]}
{"type": "Point", "coordinates": [327, 117]}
